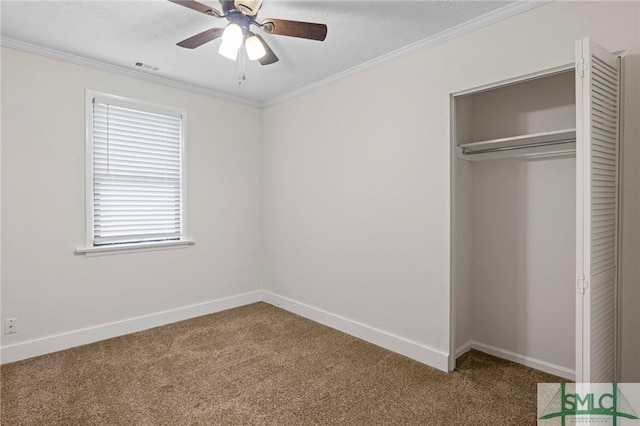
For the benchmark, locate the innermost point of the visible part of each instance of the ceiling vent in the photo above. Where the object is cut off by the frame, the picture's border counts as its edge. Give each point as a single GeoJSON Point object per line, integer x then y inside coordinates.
{"type": "Point", "coordinates": [146, 66]}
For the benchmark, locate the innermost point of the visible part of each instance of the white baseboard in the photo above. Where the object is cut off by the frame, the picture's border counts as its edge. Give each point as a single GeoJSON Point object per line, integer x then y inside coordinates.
{"type": "Point", "coordinates": [58, 342]}
{"type": "Point", "coordinates": [464, 348]}
{"type": "Point", "coordinates": [545, 366]}
{"type": "Point", "coordinates": [45, 345]}
{"type": "Point", "coordinates": [406, 347]}
{"type": "Point", "coordinates": [392, 342]}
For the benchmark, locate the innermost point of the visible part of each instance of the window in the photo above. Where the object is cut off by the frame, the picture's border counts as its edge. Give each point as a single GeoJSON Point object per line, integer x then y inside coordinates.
{"type": "Point", "coordinates": [135, 175]}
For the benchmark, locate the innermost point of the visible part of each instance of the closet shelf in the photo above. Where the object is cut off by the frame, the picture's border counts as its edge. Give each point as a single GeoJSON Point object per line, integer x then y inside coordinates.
{"type": "Point", "coordinates": [524, 141]}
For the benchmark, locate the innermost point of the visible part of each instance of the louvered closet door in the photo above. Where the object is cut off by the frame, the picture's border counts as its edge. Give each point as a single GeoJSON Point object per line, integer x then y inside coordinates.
{"type": "Point", "coordinates": [597, 108]}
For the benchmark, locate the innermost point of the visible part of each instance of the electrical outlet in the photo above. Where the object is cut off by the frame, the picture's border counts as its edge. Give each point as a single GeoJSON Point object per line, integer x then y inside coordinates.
{"type": "Point", "coordinates": [11, 326]}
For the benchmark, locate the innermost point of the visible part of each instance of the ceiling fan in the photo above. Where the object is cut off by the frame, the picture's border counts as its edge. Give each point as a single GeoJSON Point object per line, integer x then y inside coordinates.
{"type": "Point", "coordinates": [241, 15]}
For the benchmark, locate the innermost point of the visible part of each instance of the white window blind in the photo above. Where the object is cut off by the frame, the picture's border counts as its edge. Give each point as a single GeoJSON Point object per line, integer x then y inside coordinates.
{"type": "Point", "coordinates": [137, 173]}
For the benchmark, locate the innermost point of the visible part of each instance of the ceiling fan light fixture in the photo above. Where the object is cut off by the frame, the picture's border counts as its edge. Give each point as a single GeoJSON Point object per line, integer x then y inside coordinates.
{"type": "Point", "coordinates": [255, 48]}
{"type": "Point", "coordinates": [241, 15]}
{"type": "Point", "coordinates": [228, 50]}
{"type": "Point", "coordinates": [232, 38]}
{"type": "Point", "coordinates": [233, 35]}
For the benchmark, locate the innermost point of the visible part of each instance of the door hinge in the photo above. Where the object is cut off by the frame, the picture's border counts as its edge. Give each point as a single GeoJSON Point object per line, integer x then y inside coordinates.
{"type": "Point", "coordinates": [581, 284]}
{"type": "Point", "coordinates": [581, 67]}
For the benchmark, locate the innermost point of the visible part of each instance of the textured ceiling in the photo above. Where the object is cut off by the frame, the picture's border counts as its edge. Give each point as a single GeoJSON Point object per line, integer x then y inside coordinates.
{"type": "Point", "coordinates": [121, 33]}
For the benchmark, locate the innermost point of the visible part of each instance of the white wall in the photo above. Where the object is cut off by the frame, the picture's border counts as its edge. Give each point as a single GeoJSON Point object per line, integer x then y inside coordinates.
{"type": "Point", "coordinates": [356, 182]}
{"type": "Point", "coordinates": [523, 257]}
{"type": "Point", "coordinates": [48, 288]}
{"type": "Point", "coordinates": [462, 271]}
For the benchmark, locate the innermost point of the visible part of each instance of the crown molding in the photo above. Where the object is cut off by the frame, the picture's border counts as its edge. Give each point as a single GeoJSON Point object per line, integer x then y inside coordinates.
{"type": "Point", "coordinates": [497, 15]}
{"type": "Point", "coordinates": [115, 69]}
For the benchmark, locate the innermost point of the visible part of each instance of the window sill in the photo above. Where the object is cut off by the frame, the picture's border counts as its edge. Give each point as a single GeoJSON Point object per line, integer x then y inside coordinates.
{"type": "Point", "coordinates": [133, 248]}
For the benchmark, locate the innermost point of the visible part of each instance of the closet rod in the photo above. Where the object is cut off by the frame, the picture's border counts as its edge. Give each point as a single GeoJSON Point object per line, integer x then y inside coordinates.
{"type": "Point", "coordinates": [467, 151]}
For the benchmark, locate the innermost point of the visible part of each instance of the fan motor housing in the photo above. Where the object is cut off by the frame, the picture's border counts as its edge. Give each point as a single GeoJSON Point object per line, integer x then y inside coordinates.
{"type": "Point", "coordinates": [248, 7]}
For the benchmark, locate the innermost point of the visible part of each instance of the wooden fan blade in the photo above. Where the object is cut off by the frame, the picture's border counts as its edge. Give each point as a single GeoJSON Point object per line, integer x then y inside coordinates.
{"type": "Point", "coordinates": [200, 7]}
{"type": "Point", "coordinates": [299, 29]}
{"type": "Point", "coordinates": [202, 38]}
{"type": "Point", "coordinates": [269, 57]}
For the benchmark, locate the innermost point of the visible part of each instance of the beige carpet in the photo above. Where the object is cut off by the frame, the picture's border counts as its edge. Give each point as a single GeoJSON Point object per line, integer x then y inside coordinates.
{"type": "Point", "coordinates": [261, 365]}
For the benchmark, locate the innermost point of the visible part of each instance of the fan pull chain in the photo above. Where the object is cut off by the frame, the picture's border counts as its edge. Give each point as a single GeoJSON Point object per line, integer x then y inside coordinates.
{"type": "Point", "coordinates": [242, 77]}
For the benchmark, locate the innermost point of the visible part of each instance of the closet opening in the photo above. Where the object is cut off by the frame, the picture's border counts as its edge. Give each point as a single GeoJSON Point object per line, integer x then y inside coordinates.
{"type": "Point", "coordinates": [514, 221]}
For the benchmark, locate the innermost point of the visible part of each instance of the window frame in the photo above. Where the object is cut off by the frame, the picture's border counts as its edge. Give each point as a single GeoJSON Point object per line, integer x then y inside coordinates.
{"type": "Point", "coordinates": [90, 248]}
